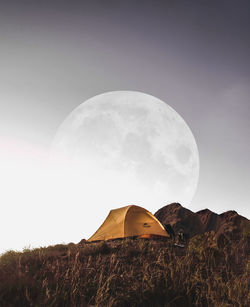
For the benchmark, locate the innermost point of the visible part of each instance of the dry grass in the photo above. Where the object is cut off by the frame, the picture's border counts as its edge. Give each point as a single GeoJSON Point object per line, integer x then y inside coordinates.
{"type": "Point", "coordinates": [131, 272]}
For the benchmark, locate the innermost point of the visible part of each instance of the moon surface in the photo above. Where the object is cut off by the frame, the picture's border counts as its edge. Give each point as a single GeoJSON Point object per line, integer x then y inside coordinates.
{"type": "Point", "coordinates": [127, 147]}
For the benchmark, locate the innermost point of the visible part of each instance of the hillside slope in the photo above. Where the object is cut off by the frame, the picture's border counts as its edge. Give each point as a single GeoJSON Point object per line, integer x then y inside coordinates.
{"type": "Point", "coordinates": [210, 270]}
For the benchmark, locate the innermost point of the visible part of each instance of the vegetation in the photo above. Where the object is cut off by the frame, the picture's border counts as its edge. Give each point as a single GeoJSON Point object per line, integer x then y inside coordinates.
{"type": "Point", "coordinates": [131, 272]}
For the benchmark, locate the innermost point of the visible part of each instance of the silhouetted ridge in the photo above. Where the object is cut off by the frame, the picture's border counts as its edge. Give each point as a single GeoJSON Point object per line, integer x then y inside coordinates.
{"type": "Point", "coordinates": [229, 214]}
{"type": "Point", "coordinates": [191, 223]}
{"type": "Point", "coordinates": [209, 220]}
{"type": "Point", "coordinates": [180, 219]}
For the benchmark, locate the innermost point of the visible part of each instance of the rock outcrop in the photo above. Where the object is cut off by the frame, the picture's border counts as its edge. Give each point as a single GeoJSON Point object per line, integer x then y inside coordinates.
{"type": "Point", "coordinates": [193, 223]}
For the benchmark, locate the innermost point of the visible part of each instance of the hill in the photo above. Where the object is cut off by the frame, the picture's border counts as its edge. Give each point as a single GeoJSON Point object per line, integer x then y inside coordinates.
{"type": "Point", "coordinates": [212, 269]}
{"type": "Point", "coordinates": [229, 223]}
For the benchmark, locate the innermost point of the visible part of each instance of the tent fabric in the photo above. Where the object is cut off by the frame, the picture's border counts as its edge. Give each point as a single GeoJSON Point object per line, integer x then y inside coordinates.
{"type": "Point", "coordinates": [127, 222]}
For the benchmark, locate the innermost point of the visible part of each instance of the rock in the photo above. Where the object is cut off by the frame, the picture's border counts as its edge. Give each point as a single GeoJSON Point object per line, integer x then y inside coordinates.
{"type": "Point", "coordinates": [229, 223]}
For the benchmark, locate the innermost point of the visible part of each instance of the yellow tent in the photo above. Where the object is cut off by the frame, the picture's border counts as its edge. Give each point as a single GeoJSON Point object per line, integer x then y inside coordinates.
{"type": "Point", "coordinates": [127, 222]}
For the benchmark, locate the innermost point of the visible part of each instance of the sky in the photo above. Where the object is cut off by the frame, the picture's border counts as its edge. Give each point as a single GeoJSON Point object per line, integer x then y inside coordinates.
{"type": "Point", "coordinates": [194, 55]}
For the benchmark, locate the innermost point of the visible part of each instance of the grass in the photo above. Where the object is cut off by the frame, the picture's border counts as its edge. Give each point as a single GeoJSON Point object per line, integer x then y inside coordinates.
{"type": "Point", "coordinates": [130, 272]}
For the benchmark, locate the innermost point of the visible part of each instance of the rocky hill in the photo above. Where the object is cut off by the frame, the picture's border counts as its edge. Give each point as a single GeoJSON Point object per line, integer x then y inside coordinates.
{"type": "Point", "coordinates": [211, 269]}
{"type": "Point", "coordinates": [229, 223]}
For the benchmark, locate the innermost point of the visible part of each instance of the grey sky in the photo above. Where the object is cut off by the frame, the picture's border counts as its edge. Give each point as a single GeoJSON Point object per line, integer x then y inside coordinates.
{"type": "Point", "coordinates": [192, 54]}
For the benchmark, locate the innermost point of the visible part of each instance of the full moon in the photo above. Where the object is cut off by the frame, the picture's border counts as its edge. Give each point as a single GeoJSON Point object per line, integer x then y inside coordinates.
{"type": "Point", "coordinates": [127, 147]}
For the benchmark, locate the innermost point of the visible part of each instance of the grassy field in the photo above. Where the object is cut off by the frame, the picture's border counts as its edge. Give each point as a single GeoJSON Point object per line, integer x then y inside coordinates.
{"type": "Point", "coordinates": [131, 272]}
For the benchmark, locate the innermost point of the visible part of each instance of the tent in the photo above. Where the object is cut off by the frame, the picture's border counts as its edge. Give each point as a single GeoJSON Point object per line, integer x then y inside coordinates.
{"type": "Point", "coordinates": [129, 221]}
